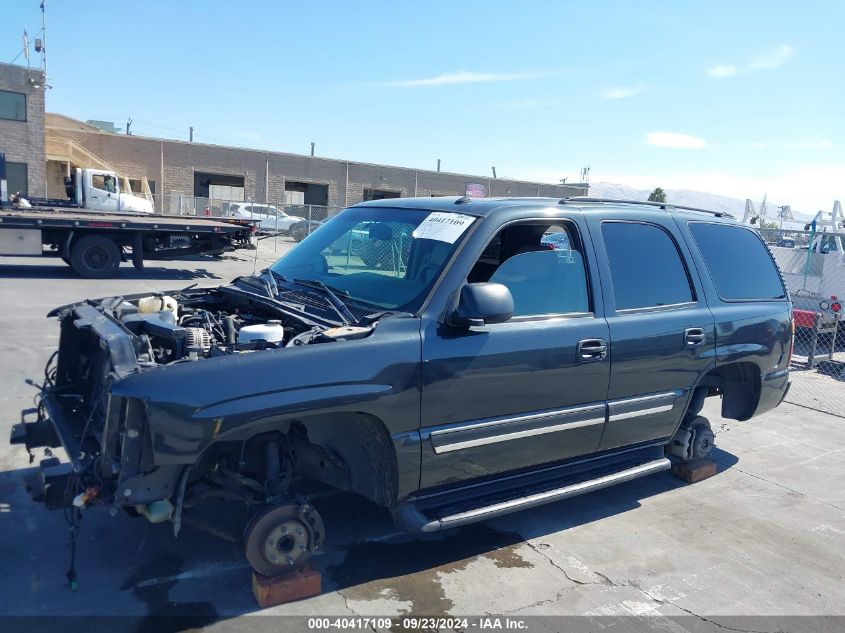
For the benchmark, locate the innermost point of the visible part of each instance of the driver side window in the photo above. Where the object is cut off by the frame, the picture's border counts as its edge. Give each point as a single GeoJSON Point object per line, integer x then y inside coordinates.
{"type": "Point", "coordinates": [542, 264]}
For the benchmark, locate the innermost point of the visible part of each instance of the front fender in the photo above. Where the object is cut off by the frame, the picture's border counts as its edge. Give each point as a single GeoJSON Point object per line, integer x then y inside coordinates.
{"type": "Point", "coordinates": [192, 404]}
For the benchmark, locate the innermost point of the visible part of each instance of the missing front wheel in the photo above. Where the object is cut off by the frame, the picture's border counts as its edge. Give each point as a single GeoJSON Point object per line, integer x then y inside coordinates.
{"type": "Point", "coordinates": [282, 537]}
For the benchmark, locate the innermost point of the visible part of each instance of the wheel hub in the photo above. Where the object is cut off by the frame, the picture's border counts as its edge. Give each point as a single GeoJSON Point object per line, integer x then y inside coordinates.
{"type": "Point", "coordinates": [283, 536]}
{"type": "Point", "coordinates": [287, 543]}
{"type": "Point", "coordinates": [95, 257]}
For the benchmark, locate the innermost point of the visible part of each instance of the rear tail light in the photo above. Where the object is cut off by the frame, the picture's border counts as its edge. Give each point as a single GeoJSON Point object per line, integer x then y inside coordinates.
{"type": "Point", "coordinates": [836, 306]}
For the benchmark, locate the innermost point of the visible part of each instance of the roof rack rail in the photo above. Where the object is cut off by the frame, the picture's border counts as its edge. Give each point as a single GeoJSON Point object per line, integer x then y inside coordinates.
{"type": "Point", "coordinates": [662, 205]}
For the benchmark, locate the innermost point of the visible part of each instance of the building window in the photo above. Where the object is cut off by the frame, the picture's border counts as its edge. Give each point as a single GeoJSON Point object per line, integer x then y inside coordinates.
{"type": "Point", "coordinates": [12, 105]}
{"type": "Point", "coordinates": [380, 194]}
{"type": "Point", "coordinates": [219, 186]}
{"type": "Point", "coordinates": [17, 178]}
{"type": "Point", "coordinates": [306, 193]}
{"type": "Point", "coordinates": [137, 186]}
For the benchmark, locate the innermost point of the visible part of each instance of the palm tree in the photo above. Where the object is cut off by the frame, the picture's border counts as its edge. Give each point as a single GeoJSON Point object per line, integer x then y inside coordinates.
{"type": "Point", "coordinates": [658, 195]}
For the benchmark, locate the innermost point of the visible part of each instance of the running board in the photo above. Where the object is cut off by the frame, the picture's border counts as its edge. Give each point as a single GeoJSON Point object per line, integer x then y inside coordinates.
{"type": "Point", "coordinates": [414, 518]}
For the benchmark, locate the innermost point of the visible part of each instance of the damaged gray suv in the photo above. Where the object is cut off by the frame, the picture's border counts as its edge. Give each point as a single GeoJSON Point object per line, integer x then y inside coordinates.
{"type": "Point", "coordinates": [449, 359]}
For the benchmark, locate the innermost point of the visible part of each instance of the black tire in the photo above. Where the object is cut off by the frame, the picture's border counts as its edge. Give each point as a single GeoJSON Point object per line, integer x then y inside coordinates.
{"type": "Point", "coordinates": [95, 257]}
{"type": "Point", "coordinates": [138, 252]}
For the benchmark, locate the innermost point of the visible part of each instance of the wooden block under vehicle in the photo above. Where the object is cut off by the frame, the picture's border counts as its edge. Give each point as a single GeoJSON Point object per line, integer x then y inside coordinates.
{"type": "Point", "coordinates": [694, 471]}
{"type": "Point", "coordinates": [299, 583]}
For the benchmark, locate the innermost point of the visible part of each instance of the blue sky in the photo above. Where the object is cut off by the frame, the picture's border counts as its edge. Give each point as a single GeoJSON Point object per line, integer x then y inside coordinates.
{"type": "Point", "coordinates": [737, 98]}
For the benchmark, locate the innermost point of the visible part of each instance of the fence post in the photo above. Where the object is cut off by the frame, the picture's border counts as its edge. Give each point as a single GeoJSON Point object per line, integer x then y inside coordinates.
{"type": "Point", "coordinates": [309, 219]}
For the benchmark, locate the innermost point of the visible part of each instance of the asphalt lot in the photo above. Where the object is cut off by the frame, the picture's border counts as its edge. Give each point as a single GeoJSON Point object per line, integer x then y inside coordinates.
{"type": "Point", "coordinates": [765, 536]}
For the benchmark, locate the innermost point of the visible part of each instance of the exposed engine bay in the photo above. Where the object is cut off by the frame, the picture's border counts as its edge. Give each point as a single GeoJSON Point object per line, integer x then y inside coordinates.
{"type": "Point", "coordinates": [192, 325]}
{"type": "Point", "coordinates": [209, 324]}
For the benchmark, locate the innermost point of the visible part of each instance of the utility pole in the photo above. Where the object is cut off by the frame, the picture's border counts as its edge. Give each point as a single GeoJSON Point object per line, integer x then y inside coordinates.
{"type": "Point", "coordinates": [494, 172]}
{"type": "Point", "coordinates": [44, 35]}
{"type": "Point", "coordinates": [438, 165]}
{"type": "Point", "coordinates": [128, 125]}
{"type": "Point", "coordinates": [312, 148]}
{"type": "Point", "coordinates": [191, 137]}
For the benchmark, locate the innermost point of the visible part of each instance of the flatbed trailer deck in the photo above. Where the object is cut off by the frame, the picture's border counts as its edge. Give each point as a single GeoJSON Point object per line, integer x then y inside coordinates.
{"type": "Point", "coordinates": [94, 243]}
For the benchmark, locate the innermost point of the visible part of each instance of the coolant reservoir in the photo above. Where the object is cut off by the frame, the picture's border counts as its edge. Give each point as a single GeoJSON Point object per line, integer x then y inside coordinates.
{"type": "Point", "coordinates": [158, 303]}
{"type": "Point", "coordinates": [272, 332]}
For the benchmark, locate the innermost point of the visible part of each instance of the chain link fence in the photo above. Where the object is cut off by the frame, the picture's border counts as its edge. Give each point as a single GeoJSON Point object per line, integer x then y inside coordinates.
{"type": "Point", "coordinates": [813, 267]}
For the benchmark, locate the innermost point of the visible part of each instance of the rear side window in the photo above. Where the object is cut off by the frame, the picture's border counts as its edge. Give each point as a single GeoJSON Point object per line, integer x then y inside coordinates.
{"type": "Point", "coordinates": [739, 263]}
{"type": "Point", "coordinates": [645, 266]}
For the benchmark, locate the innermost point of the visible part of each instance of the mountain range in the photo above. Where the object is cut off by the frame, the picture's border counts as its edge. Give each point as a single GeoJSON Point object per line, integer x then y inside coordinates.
{"type": "Point", "coordinates": [689, 198]}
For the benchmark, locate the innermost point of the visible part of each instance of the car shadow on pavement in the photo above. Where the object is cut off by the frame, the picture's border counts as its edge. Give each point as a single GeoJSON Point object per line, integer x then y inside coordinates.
{"type": "Point", "coordinates": [131, 567]}
{"type": "Point", "coordinates": [60, 271]}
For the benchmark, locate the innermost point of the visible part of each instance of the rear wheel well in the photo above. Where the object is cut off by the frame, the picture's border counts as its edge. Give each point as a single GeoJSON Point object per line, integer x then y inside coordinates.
{"type": "Point", "coordinates": [739, 386]}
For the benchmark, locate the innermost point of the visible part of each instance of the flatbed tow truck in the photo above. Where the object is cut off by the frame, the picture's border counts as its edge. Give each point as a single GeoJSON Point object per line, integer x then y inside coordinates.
{"type": "Point", "coordinates": [94, 242]}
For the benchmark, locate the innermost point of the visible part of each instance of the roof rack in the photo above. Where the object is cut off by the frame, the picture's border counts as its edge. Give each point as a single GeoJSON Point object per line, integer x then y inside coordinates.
{"type": "Point", "coordinates": [662, 205]}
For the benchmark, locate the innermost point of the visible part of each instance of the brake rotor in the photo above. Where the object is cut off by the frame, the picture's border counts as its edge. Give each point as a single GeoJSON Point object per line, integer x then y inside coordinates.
{"type": "Point", "coordinates": [702, 439]}
{"type": "Point", "coordinates": [283, 536]}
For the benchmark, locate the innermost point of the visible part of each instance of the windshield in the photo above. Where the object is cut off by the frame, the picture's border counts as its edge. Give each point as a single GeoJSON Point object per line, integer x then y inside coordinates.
{"type": "Point", "coordinates": [388, 258]}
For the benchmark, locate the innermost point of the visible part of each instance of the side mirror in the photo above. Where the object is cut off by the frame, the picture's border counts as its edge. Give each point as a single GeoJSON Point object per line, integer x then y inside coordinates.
{"type": "Point", "coordinates": [482, 304]}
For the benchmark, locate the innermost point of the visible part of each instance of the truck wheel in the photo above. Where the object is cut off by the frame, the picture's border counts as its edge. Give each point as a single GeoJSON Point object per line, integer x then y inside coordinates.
{"type": "Point", "coordinates": [283, 536]}
{"type": "Point", "coordinates": [138, 252]}
{"type": "Point", "coordinates": [95, 257]}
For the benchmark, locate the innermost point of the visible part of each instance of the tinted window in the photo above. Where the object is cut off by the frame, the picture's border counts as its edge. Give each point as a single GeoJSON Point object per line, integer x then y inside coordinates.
{"type": "Point", "coordinates": [645, 266]}
{"type": "Point", "coordinates": [16, 176]}
{"type": "Point", "coordinates": [739, 263]}
{"type": "Point", "coordinates": [12, 106]}
{"type": "Point", "coordinates": [541, 265]}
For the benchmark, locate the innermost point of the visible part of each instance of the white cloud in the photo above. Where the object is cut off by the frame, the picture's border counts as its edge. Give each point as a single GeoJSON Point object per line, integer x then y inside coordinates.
{"type": "Point", "coordinates": [722, 70]}
{"type": "Point", "coordinates": [770, 61]}
{"type": "Point", "coordinates": [675, 140]}
{"type": "Point", "coordinates": [466, 77]}
{"type": "Point", "coordinates": [622, 93]}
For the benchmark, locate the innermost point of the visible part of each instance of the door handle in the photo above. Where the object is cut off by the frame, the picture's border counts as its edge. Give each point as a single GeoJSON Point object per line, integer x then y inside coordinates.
{"type": "Point", "coordinates": [694, 336]}
{"type": "Point", "coordinates": [590, 349]}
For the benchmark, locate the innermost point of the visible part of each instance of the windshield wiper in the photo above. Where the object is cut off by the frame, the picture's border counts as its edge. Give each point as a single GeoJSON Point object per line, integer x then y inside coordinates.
{"type": "Point", "coordinates": [340, 307]}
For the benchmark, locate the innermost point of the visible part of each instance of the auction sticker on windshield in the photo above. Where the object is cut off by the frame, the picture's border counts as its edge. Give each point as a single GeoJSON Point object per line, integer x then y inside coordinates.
{"type": "Point", "coordinates": [443, 227]}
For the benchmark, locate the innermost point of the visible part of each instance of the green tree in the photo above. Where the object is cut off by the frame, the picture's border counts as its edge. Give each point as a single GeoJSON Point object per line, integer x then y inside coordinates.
{"type": "Point", "coordinates": [658, 195]}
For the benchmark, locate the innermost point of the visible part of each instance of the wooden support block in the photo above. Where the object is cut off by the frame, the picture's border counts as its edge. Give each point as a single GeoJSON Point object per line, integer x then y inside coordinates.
{"type": "Point", "coordinates": [695, 471]}
{"type": "Point", "coordinates": [299, 583]}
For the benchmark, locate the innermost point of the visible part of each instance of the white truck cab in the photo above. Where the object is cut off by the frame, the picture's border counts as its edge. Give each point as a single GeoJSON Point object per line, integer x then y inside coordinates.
{"type": "Point", "coordinates": [99, 190]}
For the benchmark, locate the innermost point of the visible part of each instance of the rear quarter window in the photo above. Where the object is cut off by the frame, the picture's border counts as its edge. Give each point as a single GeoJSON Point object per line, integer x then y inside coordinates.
{"type": "Point", "coordinates": [739, 264]}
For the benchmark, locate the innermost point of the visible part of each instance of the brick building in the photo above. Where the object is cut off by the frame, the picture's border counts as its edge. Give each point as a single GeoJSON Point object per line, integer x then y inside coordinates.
{"type": "Point", "coordinates": [22, 128]}
{"type": "Point", "coordinates": [183, 169]}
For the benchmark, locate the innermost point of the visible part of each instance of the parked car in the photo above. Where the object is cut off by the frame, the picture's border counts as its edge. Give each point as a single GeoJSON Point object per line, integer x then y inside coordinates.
{"type": "Point", "coordinates": [272, 220]}
{"type": "Point", "coordinates": [474, 373]}
{"type": "Point", "coordinates": [302, 229]}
